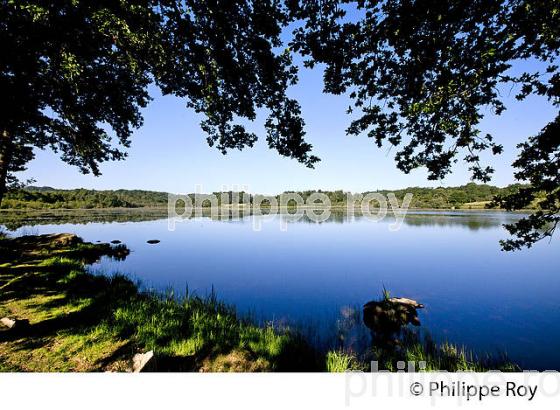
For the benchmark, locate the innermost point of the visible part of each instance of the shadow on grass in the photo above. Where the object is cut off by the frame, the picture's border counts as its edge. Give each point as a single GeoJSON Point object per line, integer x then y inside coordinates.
{"type": "Point", "coordinates": [45, 279]}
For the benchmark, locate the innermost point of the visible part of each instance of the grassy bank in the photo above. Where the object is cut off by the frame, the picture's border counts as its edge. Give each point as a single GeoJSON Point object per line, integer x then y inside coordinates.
{"type": "Point", "coordinates": [84, 322]}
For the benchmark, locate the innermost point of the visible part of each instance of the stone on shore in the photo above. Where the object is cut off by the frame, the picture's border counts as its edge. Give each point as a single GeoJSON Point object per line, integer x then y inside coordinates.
{"type": "Point", "coordinates": [12, 323]}
{"type": "Point", "coordinates": [143, 362]}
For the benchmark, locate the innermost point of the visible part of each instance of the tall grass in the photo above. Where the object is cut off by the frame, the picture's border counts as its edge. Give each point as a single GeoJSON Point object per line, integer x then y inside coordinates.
{"type": "Point", "coordinates": [428, 355]}
{"type": "Point", "coordinates": [204, 328]}
{"type": "Point", "coordinates": [207, 331]}
{"type": "Point", "coordinates": [339, 361]}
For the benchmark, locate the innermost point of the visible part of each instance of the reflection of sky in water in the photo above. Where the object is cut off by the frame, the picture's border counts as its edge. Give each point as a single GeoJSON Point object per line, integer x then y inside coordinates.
{"type": "Point", "coordinates": [475, 294]}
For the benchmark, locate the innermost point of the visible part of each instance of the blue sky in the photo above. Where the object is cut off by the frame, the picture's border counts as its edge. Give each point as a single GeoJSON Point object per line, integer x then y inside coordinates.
{"type": "Point", "coordinates": [169, 153]}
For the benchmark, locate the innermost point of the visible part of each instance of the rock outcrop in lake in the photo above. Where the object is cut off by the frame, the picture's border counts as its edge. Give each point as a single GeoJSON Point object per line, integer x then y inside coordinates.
{"type": "Point", "coordinates": [387, 317]}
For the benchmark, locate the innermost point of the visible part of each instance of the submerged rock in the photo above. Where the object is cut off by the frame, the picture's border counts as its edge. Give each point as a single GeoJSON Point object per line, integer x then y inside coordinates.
{"type": "Point", "coordinates": [153, 241]}
{"type": "Point", "coordinates": [119, 252]}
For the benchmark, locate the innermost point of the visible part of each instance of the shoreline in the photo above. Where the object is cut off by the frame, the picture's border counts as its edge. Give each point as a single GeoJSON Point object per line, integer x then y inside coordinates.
{"type": "Point", "coordinates": [78, 321]}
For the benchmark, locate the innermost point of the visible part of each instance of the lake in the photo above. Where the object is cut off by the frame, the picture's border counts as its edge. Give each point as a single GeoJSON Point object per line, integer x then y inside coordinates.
{"type": "Point", "coordinates": [312, 274]}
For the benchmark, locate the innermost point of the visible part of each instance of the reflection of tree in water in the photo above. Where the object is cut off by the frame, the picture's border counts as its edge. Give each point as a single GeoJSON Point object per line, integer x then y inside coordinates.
{"type": "Point", "coordinates": [472, 220]}
{"type": "Point", "coordinates": [469, 221]}
{"type": "Point", "coordinates": [13, 220]}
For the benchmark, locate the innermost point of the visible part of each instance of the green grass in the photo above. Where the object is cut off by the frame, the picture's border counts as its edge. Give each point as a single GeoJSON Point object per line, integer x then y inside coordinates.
{"type": "Point", "coordinates": [61, 263]}
{"type": "Point", "coordinates": [430, 356]}
{"type": "Point", "coordinates": [338, 362]}
{"type": "Point", "coordinates": [205, 329]}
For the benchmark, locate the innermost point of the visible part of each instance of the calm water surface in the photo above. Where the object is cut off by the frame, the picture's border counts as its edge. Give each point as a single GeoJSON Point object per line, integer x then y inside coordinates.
{"type": "Point", "coordinates": [475, 295]}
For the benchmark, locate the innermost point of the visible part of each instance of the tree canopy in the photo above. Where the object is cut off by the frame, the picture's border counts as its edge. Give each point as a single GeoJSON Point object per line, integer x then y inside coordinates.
{"type": "Point", "coordinates": [421, 75]}
{"type": "Point", "coordinates": [74, 75]}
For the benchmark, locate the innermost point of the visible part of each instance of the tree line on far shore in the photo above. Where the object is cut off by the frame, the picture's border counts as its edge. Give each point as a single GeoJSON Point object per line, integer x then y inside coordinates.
{"type": "Point", "coordinates": [469, 196]}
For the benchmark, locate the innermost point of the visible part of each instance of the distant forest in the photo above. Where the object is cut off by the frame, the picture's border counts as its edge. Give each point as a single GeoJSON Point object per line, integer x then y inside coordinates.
{"type": "Point", "coordinates": [50, 198]}
{"type": "Point", "coordinates": [469, 196]}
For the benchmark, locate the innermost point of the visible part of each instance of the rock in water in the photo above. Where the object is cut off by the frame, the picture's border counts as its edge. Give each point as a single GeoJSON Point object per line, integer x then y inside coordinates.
{"type": "Point", "coordinates": [115, 242]}
{"type": "Point", "coordinates": [143, 362]}
{"type": "Point", "coordinates": [153, 241]}
{"type": "Point", "coordinates": [406, 301]}
{"type": "Point", "coordinates": [391, 315]}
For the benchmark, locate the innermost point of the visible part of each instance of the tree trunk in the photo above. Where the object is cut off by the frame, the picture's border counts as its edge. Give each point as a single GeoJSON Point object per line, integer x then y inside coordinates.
{"type": "Point", "coordinates": [5, 157]}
